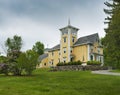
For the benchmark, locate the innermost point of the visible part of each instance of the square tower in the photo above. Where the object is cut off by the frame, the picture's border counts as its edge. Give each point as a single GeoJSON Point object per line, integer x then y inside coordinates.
{"type": "Point", "coordinates": [68, 38]}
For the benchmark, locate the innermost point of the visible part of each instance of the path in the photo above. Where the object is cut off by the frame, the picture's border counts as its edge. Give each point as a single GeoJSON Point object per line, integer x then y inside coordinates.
{"type": "Point", "coordinates": [105, 72]}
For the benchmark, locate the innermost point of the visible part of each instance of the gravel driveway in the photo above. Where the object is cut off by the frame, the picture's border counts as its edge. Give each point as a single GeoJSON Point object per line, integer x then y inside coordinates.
{"type": "Point", "coordinates": [105, 72]}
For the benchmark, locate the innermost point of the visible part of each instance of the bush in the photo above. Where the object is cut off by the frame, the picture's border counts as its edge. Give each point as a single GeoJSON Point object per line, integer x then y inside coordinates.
{"type": "Point", "coordinates": [69, 63]}
{"type": "Point", "coordinates": [60, 64]}
{"type": "Point", "coordinates": [4, 68]}
{"type": "Point", "coordinates": [27, 61]}
{"type": "Point", "coordinates": [93, 63]}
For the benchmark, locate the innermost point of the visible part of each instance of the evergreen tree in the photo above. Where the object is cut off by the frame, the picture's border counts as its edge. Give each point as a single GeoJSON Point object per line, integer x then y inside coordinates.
{"type": "Point", "coordinates": [112, 38]}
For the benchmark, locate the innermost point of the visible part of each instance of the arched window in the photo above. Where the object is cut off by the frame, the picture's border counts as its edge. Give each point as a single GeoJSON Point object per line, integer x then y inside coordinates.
{"type": "Point", "coordinates": [91, 57]}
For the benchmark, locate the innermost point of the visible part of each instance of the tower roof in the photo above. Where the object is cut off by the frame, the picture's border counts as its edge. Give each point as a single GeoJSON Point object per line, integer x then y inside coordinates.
{"type": "Point", "coordinates": [69, 26]}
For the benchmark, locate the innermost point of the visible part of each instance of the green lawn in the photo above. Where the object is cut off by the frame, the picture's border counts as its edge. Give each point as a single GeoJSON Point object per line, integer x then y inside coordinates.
{"type": "Point", "coordinates": [60, 83]}
{"type": "Point", "coordinates": [115, 71]}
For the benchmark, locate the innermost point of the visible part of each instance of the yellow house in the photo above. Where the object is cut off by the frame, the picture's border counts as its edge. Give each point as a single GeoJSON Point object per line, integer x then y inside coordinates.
{"type": "Point", "coordinates": [72, 48]}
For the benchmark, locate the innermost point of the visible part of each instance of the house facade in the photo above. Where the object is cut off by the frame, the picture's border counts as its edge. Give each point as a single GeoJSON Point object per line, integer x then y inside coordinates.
{"type": "Point", "coordinates": [72, 48]}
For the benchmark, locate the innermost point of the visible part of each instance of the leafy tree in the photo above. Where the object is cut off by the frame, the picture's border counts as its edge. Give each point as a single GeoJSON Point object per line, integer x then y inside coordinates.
{"type": "Point", "coordinates": [3, 59]}
{"type": "Point", "coordinates": [28, 61]}
{"type": "Point", "coordinates": [14, 46]}
{"type": "Point", "coordinates": [38, 47]}
{"type": "Point", "coordinates": [112, 38]}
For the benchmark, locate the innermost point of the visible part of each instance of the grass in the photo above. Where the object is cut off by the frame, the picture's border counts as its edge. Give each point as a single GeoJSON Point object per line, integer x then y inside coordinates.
{"type": "Point", "coordinates": [44, 82]}
{"type": "Point", "coordinates": [115, 71]}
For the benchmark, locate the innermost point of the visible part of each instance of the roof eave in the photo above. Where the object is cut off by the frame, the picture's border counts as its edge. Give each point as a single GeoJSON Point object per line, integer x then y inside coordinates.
{"type": "Point", "coordinates": [69, 26]}
{"type": "Point", "coordinates": [83, 44]}
{"type": "Point", "coordinates": [53, 50]}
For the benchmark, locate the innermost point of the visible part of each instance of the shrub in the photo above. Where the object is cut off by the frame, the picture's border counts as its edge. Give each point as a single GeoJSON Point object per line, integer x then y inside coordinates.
{"type": "Point", "coordinates": [69, 63]}
{"type": "Point", "coordinates": [4, 68]}
{"type": "Point", "coordinates": [93, 63]}
{"type": "Point", "coordinates": [27, 61]}
{"type": "Point", "coordinates": [60, 64]}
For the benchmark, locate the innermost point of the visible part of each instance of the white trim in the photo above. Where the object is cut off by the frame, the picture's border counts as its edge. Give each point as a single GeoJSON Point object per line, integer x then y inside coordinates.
{"type": "Point", "coordinates": [82, 44]}
{"type": "Point", "coordinates": [69, 31]}
{"type": "Point", "coordinates": [88, 52]}
{"type": "Point", "coordinates": [61, 49]}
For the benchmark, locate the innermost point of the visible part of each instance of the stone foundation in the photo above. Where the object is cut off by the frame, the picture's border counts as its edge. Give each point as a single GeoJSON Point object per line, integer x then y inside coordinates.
{"type": "Point", "coordinates": [79, 68]}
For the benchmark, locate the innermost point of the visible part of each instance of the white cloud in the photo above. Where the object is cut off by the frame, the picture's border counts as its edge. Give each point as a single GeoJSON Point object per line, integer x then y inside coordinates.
{"type": "Point", "coordinates": [30, 31]}
{"type": "Point", "coordinates": [41, 22]}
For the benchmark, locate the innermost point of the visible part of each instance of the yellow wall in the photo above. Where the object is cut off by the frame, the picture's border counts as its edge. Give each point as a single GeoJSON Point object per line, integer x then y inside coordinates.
{"type": "Point", "coordinates": [55, 57]}
{"type": "Point", "coordinates": [65, 45]}
{"type": "Point", "coordinates": [96, 48]}
{"type": "Point", "coordinates": [79, 52]}
{"type": "Point", "coordinates": [43, 62]}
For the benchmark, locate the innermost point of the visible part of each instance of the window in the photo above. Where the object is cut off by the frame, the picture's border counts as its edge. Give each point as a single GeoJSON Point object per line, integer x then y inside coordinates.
{"type": "Point", "coordinates": [71, 59]}
{"type": "Point", "coordinates": [91, 50]}
{"type": "Point", "coordinates": [98, 51]}
{"type": "Point", "coordinates": [91, 57]}
{"type": "Point", "coordinates": [100, 59]}
{"type": "Point", "coordinates": [64, 59]}
{"type": "Point", "coordinates": [74, 32]}
{"type": "Point", "coordinates": [64, 49]}
{"type": "Point", "coordinates": [83, 58]}
{"type": "Point", "coordinates": [64, 33]}
{"type": "Point", "coordinates": [59, 60]}
{"type": "Point", "coordinates": [52, 53]}
{"type": "Point", "coordinates": [73, 39]}
{"type": "Point", "coordinates": [44, 64]}
{"type": "Point", "coordinates": [52, 62]}
{"type": "Point", "coordinates": [59, 52]}
{"type": "Point", "coordinates": [71, 49]}
{"type": "Point", "coordinates": [64, 39]}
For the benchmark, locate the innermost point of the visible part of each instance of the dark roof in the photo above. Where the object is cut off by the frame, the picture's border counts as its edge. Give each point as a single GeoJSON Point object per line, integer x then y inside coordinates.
{"type": "Point", "coordinates": [69, 26]}
{"type": "Point", "coordinates": [46, 49]}
{"type": "Point", "coordinates": [55, 47]}
{"type": "Point", "coordinates": [41, 57]}
{"type": "Point", "coordinates": [90, 39]}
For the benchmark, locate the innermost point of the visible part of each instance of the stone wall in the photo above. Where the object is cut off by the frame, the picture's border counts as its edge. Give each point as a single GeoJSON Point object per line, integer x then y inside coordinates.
{"type": "Point", "coordinates": [79, 68]}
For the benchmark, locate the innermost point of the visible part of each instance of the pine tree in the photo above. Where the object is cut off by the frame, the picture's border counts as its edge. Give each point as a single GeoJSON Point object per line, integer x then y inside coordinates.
{"type": "Point", "coordinates": [112, 38]}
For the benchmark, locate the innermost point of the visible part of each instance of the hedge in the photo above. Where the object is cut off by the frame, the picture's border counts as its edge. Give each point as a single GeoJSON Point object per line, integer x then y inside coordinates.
{"type": "Point", "coordinates": [93, 63]}
{"type": "Point", "coordinates": [69, 63]}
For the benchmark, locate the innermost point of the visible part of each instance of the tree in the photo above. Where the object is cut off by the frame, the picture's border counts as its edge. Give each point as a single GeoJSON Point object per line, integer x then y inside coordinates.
{"type": "Point", "coordinates": [38, 47]}
{"type": "Point", "coordinates": [112, 38]}
{"type": "Point", "coordinates": [28, 61]}
{"type": "Point", "coordinates": [14, 46]}
{"type": "Point", "coordinates": [3, 65]}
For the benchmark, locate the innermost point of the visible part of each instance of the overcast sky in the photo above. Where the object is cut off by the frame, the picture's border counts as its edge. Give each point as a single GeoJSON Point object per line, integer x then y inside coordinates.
{"type": "Point", "coordinates": [40, 20]}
